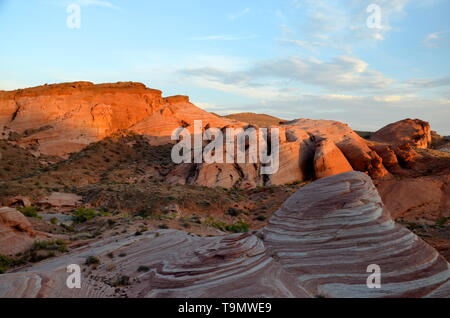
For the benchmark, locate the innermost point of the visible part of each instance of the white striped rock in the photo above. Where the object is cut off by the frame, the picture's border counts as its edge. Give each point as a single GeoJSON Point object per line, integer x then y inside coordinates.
{"type": "Point", "coordinates": [179, 265]}
{"type": "Point", "coordinates": [329, 232]}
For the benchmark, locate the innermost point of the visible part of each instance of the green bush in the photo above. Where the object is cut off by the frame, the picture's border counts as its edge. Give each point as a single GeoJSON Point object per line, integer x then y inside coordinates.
{"type": "Point", "coordinates": [122, 280]}
{"type": "Point", "coordinates": [29, 211]}
{"type": "Point", "coordinates": [83, 215]}
{"type": "Point", "coordinates": [442, 221]}
{"type": "Point", "coordinates": [238, 227]}
{"type": "Point", "coordinates": [6, 263]}
{"type": "Point", "coordinates": [53, 245]}
{"type": "Point", "coordinates": [92, 260]}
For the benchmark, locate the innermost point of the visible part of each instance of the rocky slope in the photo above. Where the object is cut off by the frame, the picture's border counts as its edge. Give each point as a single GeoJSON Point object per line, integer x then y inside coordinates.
{"type": "Point", "coordinates": [318, 244]}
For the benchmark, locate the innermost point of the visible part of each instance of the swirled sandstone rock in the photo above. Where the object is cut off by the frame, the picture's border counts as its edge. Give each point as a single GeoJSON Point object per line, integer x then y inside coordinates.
{"type": "Point", "coordinates": [329, 232]}
{"type": "Point", "coordinates": [176, 265]}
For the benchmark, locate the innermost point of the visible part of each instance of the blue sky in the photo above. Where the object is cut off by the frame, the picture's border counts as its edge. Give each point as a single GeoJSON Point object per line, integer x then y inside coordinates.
{"type": "Point", "coordinates": [290, 58]}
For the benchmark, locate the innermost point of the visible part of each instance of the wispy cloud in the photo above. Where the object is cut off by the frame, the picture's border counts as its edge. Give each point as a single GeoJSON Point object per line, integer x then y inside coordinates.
{"type": "Point", "coordinates": [222, 37]}
{"type": "Point", "coordinates": [437, 39]}
{"type": "Point", "coordinates": [239, 14]}
{"type": "Point", "coordinates": [99, 3]}
{"type": "Point", "coordinates": [87, 3]}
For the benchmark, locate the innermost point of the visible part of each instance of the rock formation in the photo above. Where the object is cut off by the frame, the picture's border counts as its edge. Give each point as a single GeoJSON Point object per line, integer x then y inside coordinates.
{"type": "Point", "coordinates": [319, 243]}
{"type": "Point", "coordinates": [329, 160]}
{"type": "Point", "coordinates": [417, 199]}
{"type": "Point", "coordinates": [16, 232]}
{"type": "Point", "coordinates": [329, 232]}
{"type": "Point", "coordinates": [63, 118]}
{"type": "Point", "coordinates": [414, 132]}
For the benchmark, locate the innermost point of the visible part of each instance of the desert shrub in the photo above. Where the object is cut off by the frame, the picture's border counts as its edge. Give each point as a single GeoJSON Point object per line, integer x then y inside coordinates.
{"type": "Point", "coordinates": [143, 269]}
{"type": "Point", "coordinates": [29, 211]}
{"type": "Point", "coordinates": [121, 280]}
{"type": "Point", "coordinates": [442, 221]}
{"type": "Point", "coordinates": [234, 212]}
{"type": "Point", "coordinates": [238, 227]}
{"type": "Point", "coordinates": [54, 221]}
{"type": "Point", "coordinates": [92, 260]}
{"type": "Point", "coordinates": [53, 245]}
{"type": "Point", "coordinates": [6, 263]}
{"type": "Point", "coordinates": [261, 218]}
{"type": "Point", "coordinates": [83, 215]}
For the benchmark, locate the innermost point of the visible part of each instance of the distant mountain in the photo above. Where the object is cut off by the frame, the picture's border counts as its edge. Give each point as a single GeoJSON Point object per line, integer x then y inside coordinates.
{"type": "Point", "coordinates": [256, 119]}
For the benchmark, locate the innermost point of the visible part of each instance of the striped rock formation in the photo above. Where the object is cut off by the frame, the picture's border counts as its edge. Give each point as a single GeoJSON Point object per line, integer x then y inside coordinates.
{"type": "Point", "coordinates": [320, 243]}
{"type": "Point", "coordinates": [176, 265]}
{"type": "Point", "coordinates": [329, 232]}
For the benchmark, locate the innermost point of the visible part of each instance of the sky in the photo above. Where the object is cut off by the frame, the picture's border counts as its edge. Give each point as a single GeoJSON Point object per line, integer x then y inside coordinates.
{"type": "Point", "coordinates": [319, 59]}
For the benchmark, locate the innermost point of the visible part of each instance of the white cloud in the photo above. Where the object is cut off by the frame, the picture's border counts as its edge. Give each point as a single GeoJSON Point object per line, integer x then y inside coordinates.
{"type": "Point", "coordinates": [222, 37]}
{"type": "Point", "coordinates": [437, 39]}
{"type": "Point", "coordinates": [98, 3]}
{"type": "Point", "coordinates": [239, 14]}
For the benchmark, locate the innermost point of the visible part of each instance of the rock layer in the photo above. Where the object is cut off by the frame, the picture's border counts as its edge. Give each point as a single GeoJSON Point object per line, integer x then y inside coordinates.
{"type": "Point", "coordinates": [177, 265]}
{"type": "Point", "coordinates": [329, 232]}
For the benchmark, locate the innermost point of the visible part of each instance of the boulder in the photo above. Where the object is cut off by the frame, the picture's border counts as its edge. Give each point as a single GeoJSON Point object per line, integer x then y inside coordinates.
{"type": "Point", "coordinates": [16, 232]}
{"type": "Point", "coordinates": [61, 200]}
{"type": "Point", "coordinates": [414, 132]}
{"type": "Point", "coordinates": [19, 201]}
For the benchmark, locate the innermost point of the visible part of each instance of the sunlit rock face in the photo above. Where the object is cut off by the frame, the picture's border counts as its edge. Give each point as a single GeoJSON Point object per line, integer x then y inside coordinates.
{"type": "Point", "coordinates": [355, 149]}
{"type": "Point", "coordinates": [63, 118]}
{"type": "Point", "coordinates": [16, 232]}
{"type": "Point", "coordinates": [414, 132]}
{"type": "Point", "coordinates": [329, 232]}
{"type": "Point", "coordinates": [319, 243]}
{"type": "Point", "coordinates": [329, 160]}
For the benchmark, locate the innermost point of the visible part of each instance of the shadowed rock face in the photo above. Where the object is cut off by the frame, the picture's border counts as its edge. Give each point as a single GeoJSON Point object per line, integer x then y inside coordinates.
{"type": "Point", "coordinates": [319, 243]}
